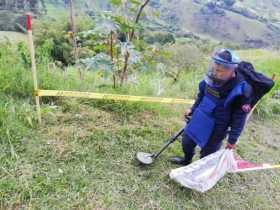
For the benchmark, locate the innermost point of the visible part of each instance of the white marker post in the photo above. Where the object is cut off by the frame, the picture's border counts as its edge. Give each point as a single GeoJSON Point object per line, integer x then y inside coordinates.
{"type": "Point", "coordinates": [33, 62]}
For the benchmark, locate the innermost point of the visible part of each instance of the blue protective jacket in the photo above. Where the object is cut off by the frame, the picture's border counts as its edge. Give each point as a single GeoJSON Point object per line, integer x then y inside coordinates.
{"type": "Point", "coordinates": [219, 110]}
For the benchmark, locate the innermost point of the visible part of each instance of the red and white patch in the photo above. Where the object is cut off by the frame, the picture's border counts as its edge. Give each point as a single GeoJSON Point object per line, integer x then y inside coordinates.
{"type": "Point", "coordinates": [246, 108]}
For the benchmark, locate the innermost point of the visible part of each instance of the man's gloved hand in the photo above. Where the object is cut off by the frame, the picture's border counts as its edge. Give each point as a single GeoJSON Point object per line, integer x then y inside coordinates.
{"type": "Point", "coordinates": [230, 146]}
{"type": "Point", "coordinates": [188, 113]}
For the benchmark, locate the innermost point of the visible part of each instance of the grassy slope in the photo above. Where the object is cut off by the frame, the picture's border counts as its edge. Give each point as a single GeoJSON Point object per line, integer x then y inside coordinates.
{"type": "Point", "coordinates": [232, 27]}
{"type": "Point", "coordinates": [13, 37]}
{"type": "Point", "coordinates": [83, 156]}
{"type": "Point", "coordinates": [266, 8]}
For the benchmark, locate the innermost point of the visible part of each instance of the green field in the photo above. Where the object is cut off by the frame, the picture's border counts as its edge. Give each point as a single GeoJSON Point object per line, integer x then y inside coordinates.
{"type": "Point", "coordinates": [82, 157]}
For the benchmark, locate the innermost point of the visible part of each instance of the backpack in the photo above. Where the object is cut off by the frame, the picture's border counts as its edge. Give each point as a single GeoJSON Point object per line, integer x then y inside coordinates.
{"type": "Point", "coordinates": [259, 82]}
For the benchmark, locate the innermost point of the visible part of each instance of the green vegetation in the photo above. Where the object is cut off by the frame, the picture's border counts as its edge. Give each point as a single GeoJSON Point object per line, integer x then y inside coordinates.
{"type": "Point", "coordinates": [82, 157]}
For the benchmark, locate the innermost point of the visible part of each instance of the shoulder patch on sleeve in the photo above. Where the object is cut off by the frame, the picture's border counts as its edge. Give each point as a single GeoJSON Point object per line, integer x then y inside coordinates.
{"type": "Point", "coordinates": [246, 108]}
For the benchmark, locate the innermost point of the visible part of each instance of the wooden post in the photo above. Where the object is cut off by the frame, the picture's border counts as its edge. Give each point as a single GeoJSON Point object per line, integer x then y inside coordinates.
{"type": "Point", "coordinates": [273, 77]}
{"type": "Point", "coordinates": [112, 57]}
{"type": "Point", "coordinates": [33, 67]}
{"type": "Point", "coordinates": [74, 35]}
{"type": "Point", "coordinates": [73, 28]}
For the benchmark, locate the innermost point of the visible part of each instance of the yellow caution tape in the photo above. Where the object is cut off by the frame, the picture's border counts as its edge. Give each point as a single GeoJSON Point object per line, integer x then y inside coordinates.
{"type": "Point", "coordinates": [275, 166]}
{"type": "Point", "coordinates": [107, 96]}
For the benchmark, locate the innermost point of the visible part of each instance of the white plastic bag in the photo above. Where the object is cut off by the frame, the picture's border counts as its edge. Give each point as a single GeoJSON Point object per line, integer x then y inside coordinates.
{"type": "Point", "coordinates": [203, 174]}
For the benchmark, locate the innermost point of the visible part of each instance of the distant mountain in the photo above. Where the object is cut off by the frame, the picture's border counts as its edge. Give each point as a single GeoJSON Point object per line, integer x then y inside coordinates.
{"type": "Point", "coordinates": [251, 23]}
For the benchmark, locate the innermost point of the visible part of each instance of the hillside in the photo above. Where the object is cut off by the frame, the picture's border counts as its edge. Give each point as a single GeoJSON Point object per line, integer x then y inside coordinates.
{"type": "Point", "coordinates": [247, 23]}
{"type": "Point", "coordinates": [225, 24]}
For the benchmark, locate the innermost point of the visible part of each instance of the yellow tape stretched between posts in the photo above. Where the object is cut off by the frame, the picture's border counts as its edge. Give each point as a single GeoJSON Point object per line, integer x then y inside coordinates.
{"type": "Point", "coordinates": [275, 166]}
{"type": "Point", "coordinates": [108, 96]}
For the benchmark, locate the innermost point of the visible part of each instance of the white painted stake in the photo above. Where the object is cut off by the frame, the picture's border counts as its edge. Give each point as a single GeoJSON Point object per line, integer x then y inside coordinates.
{"type": "Point", "coordinates": [33, 67]}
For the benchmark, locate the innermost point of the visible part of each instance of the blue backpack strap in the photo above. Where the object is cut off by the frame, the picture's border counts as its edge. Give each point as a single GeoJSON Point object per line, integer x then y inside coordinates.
{"type": "Point", "coordinates": [239, 90]}
{"type": "Point", "coordinates": [202, 86]}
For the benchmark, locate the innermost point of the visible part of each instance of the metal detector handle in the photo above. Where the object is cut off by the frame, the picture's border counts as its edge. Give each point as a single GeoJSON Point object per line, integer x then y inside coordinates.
{"type": "Point", "coordinates": [172, 139]}
{"type": "Point", "coordinates": [180, 132]}
{"type": "Point", "coordinates": [188, 119]}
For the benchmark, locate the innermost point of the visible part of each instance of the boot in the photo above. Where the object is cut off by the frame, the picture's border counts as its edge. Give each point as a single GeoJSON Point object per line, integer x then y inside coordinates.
{"type": "Point", "coordinates": [179, 161]}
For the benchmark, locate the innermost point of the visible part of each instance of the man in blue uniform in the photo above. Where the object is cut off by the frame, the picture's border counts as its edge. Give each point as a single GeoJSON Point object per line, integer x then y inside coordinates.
{"type": "Point", "coordinates": [220, 109]}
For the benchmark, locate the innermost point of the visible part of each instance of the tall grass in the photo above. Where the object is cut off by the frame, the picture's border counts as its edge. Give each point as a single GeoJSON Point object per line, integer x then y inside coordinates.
{"type": "Point", "coordinates": [16, 81]}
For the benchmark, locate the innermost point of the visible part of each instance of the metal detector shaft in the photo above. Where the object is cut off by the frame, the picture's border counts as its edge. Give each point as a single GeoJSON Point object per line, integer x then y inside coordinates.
{"type": "Point", "coordinates": [170, 141]}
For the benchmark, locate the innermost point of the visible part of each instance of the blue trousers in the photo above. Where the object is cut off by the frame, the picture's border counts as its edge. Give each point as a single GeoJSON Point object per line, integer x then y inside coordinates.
{"type": "Point", "coordinates": [214, 144]}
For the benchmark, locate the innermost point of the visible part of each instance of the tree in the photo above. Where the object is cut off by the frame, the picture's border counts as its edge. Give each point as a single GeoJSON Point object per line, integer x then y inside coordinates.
{"type": "Point", "coordinates": [132, 10]}
{"type": "Point", "coordinates": [115, 34]}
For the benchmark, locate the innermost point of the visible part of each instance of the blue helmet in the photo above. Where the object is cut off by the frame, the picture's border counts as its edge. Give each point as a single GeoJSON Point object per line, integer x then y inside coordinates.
{"type": "Point", "coordinates": [226, 58]}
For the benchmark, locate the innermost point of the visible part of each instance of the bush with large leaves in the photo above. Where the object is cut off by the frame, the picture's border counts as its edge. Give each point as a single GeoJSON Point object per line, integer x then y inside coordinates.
{"type": "Point", "coordinates": [53, 38]}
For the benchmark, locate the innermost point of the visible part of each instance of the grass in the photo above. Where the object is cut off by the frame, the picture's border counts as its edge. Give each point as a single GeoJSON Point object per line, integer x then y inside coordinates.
{"type": "Point", "coordinates": [83, 155]}
{"type": "Point", "coordinates": [84, 159]}
{"type": "Point", "coordinates": [13, 37]}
